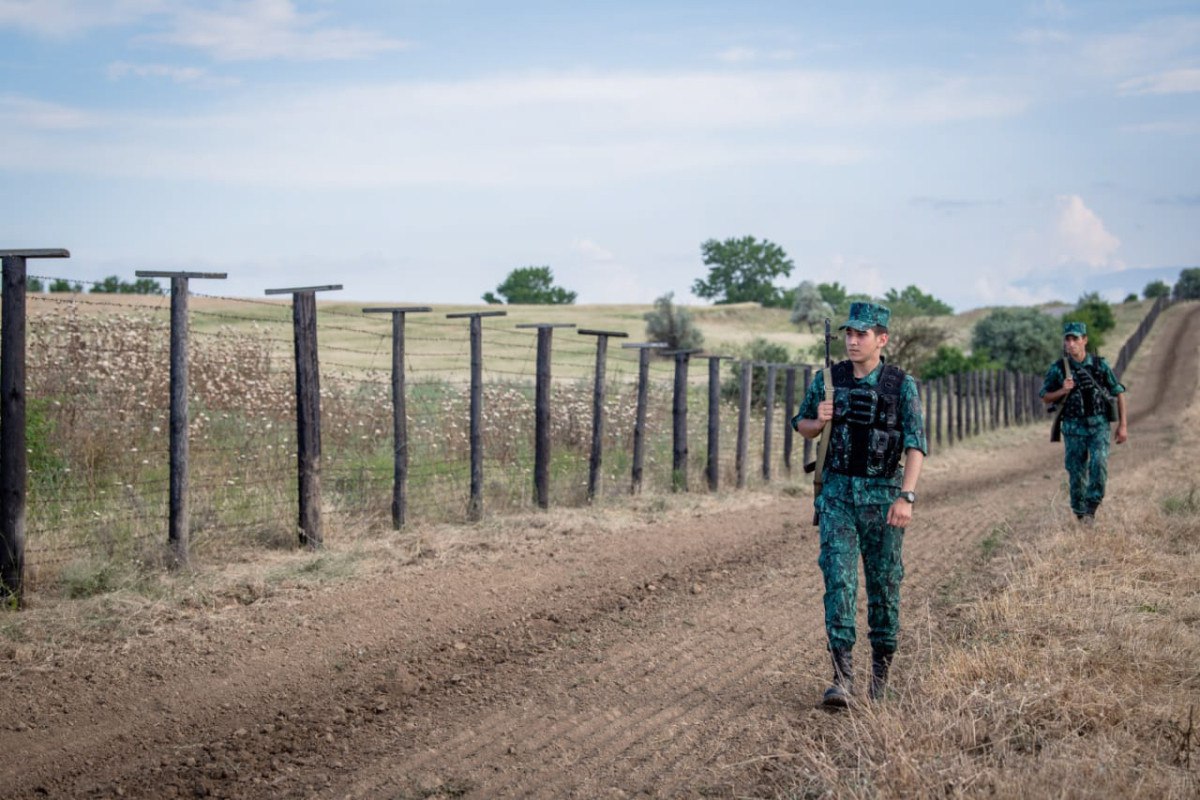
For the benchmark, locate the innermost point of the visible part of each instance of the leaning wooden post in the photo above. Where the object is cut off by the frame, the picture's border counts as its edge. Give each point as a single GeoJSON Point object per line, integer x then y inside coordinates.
{"type": "Point", "coordinates": [712, 466]}
{"type": "Point", "coordinates": [807, 442]}
{"type": "Point", "coordinates": [948, 386]}
{"type": "Point", "coordinates": [308, 409]}
{"type": "Point", "coordinates": [789, 402]}
{"type": "Point", "coordinates": [768, 420]}
{"type": "Point", "coordinates": [594, 460]}
{"type": "Point", "coordinates": [1006, 403]}
{"type": "Point", "coordinates": [13, 462]}
{"type": "Point", "coordinates": [399, 411]}
{"type": "Point", "coordinates": [475, 503]}
{"type": "Point", "coordinates": [743, 431]}
{"type": "Point", "coordinates": [639, 423]}
{"type": "Point", "coordinates": [679, 437]}
{"type": "Point", "coordinates": [177, 520]}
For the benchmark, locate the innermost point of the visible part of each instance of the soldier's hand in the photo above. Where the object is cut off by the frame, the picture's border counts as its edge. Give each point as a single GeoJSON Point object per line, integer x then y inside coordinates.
{"type": "Point", "coordinates": [825, 411]}
{"type": "Point", "coordinates": [1068, 385]}
{"type": "Point", "coordinates": [1122, 434]}
{"type": "Point", "coordinates": [900, 514]}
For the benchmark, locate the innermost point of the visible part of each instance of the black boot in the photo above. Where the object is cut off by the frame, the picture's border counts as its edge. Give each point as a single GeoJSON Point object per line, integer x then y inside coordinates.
{"type": "Point", "coordinates": [838, 695]}
{"type": "Point", "coordinates": [881, 662]}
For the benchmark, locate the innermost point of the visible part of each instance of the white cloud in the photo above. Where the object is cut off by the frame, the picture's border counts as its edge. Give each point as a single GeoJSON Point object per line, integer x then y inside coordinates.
{"type": "Point", "coordinates": [1081, 236]}
{"type": "Point", "coordinates": [37, 115]}
{"type": "Point", "coordinates": [255, 30]}
{"type": "Point", "coordinates": [541, 129]}
{"type": "Point", "coordinates": [1176, 81]}
{"type": "Point", "coordinates": [64, 18]}
{"type": "Point", "coordinates": [227, 30]}
{"type": "Point", "coordinates": [186, 75]}
{"type": "Point", "coordinates": [742, 55]}
{"type": "Point", "coordinates": [591, 251]}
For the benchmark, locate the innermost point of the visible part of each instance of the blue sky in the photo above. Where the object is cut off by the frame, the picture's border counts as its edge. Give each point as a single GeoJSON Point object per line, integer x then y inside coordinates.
{"type": "Point", "coordinates": [990, 153]}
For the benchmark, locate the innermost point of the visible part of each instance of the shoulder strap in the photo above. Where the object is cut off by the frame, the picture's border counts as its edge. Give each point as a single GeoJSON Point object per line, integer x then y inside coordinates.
{"type": "Point", "coordinates": [891, 379]}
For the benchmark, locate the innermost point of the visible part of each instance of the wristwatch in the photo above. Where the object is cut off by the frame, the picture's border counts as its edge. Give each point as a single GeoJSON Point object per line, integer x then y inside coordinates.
{"type": "Point", "coordinates": [911, 497]}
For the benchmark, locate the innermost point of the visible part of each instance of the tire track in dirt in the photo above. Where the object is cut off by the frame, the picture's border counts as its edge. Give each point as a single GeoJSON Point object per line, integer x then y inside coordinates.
{"type": "Point", "coordinates": [685, 705]}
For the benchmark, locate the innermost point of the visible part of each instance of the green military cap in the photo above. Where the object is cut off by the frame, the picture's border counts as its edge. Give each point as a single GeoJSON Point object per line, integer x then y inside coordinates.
{"type": "Point", "coordinates": [867, 315]}
{"type": "Point", "coordinates": [1074, 329]}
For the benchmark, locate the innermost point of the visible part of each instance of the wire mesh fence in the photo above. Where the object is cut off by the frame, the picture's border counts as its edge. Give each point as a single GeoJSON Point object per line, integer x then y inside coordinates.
{"type": "Point", "coordinates": [98, 408]}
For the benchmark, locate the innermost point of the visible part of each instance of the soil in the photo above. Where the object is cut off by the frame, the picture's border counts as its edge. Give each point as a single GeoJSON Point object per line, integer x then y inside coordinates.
{"type": "Point", "coordinates": [659, 651]}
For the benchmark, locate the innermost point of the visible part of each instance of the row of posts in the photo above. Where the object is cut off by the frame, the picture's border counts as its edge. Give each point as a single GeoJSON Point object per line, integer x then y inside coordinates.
{"type": "Point", "coordinates": [1004, 394]}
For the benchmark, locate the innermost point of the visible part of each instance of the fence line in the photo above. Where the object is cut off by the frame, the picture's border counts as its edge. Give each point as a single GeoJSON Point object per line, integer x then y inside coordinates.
{"type": "Point", "coordinates": [98, 479]}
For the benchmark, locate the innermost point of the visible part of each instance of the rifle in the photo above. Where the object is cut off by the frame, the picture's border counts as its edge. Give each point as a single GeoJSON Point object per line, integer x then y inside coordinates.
{"type": "Point", "coordinates": [823, 444]}
{"type": "Point", "coordinates": [1056, 425]}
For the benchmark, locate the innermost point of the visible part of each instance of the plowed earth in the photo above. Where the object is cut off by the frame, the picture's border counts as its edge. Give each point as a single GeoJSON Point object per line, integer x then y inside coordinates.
{"type": "Point", "coordinates": [592, 655]}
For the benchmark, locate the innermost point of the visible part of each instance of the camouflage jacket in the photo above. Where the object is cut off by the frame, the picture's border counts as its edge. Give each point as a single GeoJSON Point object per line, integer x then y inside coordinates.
{"type": "Point", "coordinates": [1054, 381]}
{"type": "Point", "coordinates": [868, 491]}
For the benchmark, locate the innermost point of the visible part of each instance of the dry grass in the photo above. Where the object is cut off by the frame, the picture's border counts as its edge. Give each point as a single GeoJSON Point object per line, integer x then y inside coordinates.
{"type": "Point", "coordinates": [1066, 666]}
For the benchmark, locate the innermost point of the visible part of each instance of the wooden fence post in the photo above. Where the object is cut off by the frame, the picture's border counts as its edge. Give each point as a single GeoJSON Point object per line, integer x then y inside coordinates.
{"type": "Point", "coordinates": [768, 419]}
{"type": "Point", "coordinates": [712, 465]}
{"type": "Point", "coordinates": [743, 431]}
{"type": "Point", "coordinates": [594, 460]}
{"type": "Point", "coordinates": [308, 409]}
{"type": "Point", "coordinates": [679, 438]}
{"type": "Point", "coordinates": [807, 455]}
{"type": "Point", "coordinates": [13, 462]}
{"type": "Point", "coordinates": [789, 402]}
{"type": "Point", "coordinates": [639, 423]}
{"type": "Point", "coordinates": [399, 411]}
{"type": "Point", "coordinates": [958, 407]}
{"type": "Point", "coordinates": [177, 515]}
{"type": "Point", "coordinates": [940, 383]}
{"type": "Point", "coordinates": [475, 503]}
{"type": "Point", "coordinates": [541, 410]}
{"type": "Point", "coordinates": [926, 388]}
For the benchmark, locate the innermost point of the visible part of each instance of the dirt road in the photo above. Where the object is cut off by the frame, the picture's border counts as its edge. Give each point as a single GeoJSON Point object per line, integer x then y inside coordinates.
{"type": "Point", "coordinates": [657, 650]}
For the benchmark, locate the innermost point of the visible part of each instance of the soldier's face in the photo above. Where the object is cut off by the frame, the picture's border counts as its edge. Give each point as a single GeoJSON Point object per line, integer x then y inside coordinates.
{"type": "Point", "coordinates": [864, 346]}
{"type": "Point", "coordinates": [1075, 346]}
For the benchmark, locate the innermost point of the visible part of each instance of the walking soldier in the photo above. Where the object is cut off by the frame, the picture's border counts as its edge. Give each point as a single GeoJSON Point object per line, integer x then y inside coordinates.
{"type": "Point", "coordinates": [872, 421]}
{"type": "Point", "coordinates": [1091, 399]}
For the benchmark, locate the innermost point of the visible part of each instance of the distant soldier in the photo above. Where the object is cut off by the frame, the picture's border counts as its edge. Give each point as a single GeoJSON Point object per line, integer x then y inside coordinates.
{"type": "Point", "coordinates": [1092, 399]}
{"type": "Point", "coordinates": [866, 500]}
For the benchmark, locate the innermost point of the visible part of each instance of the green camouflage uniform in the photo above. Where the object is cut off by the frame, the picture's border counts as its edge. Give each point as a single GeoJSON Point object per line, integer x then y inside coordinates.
{"type": "Point", "coordinates": [854, 520]}
{"type": "Point", "coordinates": [1086, 439]}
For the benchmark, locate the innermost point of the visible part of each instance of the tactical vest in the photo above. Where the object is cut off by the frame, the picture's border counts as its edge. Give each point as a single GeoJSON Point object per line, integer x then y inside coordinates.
{"type": "Point", "coordinates": [1090, 397]}
{"type": "Point", "coordinates": [866, 440]}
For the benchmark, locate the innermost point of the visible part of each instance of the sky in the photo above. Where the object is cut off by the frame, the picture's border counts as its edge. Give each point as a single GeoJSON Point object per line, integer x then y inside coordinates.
{"type": "Point", "coordinates": [991, 153]}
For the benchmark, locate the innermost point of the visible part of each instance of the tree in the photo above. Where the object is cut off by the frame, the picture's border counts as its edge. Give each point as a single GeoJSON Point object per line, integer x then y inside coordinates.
{"type": "Point", "coordinates": [742, 271]}
{"type": "Point", "coordinates": [531, 286]}
{"type": "Point", "coordinates": [1130, 298]}
{"type": "Point", "coordinates": [34, 285]}
{"type": "Point", "coordinates": [1188, 285]}
{"type": "Point", "coordinates": [834, 294]}
{"type": "Point", "coordinates": [949, 360]}
{"type": "Point", "coordinates": [1023, 339]}
{"type": "Point", "coordinates": [1095, 312]}
{"type": "Point", "coordinates": [671, 324]}
{"type": "Point", "coordinates": [1155, 290]}
{"type": "Point", "coordinates": [809, 308]}
{"type": "Point", "coordinates": [759, 351]}
{"type": "Point", "coordinates": [913, 342]}
{"type": "Point", "coordinates": [114, 285]}
{"type": "Point", "coordinates": [64, 285]}
{"type": "Point", "coordinates": [912, 302]}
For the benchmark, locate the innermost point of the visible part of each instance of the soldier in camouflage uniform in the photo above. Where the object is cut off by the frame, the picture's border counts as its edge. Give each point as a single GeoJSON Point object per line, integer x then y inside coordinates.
{"type": "Point", "coordinates": [1085, 417]}
{"type": "Point", "coordinates": [867, 500]}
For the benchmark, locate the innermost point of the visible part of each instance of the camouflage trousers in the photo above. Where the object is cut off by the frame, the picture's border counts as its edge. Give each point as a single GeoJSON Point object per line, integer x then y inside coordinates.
{"type": "Point", "coordinates": [1087, 468]}
{"type": "Point", "coordinates": [848, 531]}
